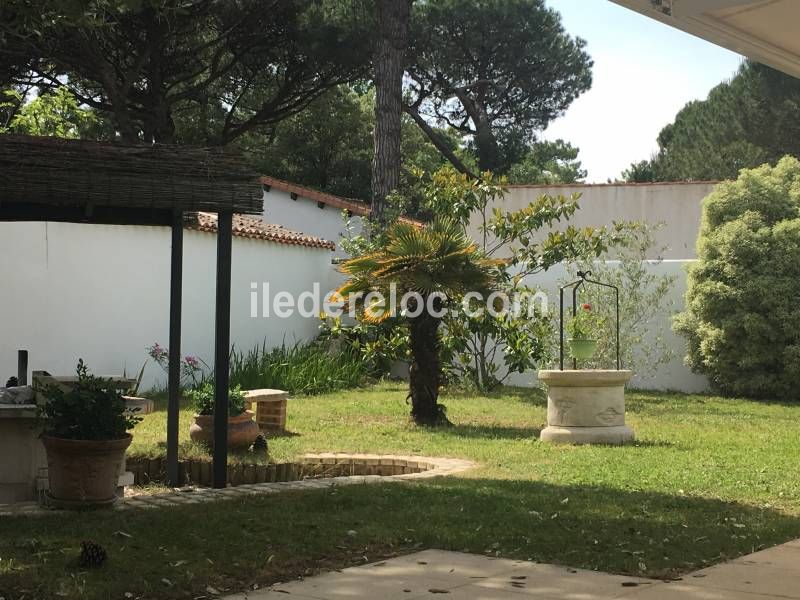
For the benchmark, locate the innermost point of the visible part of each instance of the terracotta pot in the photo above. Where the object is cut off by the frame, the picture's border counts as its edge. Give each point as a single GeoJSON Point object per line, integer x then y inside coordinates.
{"type": "Point", "coordinates": [84, 473]}
{"type": "Point", "coordinates": [242, 430]}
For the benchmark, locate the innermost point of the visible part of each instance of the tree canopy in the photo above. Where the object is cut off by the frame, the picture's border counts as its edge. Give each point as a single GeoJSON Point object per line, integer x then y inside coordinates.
{"type": "Point", "coordinates": [496, 71]}
{"type": "Point", "coordinates": [745, 122]}
{"type": "Point", "coordinates": [231, 66]}
{"type": "Point", "coordinates": [291, 82]}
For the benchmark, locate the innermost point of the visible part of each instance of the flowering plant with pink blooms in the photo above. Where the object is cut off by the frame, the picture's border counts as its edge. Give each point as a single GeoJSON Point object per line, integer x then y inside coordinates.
{"type": "Point", "coordinates": [191, 369]}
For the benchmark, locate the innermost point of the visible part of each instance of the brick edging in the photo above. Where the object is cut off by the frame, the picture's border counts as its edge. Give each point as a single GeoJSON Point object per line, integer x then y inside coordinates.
{"type": "Point", "coordinates": [412, 467]}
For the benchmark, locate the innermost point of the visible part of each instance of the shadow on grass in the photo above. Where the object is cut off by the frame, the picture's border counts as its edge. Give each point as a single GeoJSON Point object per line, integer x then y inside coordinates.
{"type": "Point", "coordinates": [491, 432]}
{"type": "Point", "coordinates": [226, 543]}
{"type": "Point", "coordinates": [535, 396]}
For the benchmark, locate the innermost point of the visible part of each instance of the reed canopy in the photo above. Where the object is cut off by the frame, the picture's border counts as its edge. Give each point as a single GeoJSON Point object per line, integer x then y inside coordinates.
{"type": "Point", "coordinates": [80, 180]}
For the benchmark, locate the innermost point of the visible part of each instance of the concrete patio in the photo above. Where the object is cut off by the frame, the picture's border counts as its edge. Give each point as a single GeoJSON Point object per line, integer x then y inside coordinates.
{"type": "Point", "coordinates": [772, 573]}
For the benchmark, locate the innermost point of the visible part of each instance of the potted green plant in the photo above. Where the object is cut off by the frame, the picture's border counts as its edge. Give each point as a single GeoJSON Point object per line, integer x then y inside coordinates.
{"type": "Point", "coordinates": [85, 435]}
{"type": "Point", "coordinates": [581, 329]}
{"type": "Point", "coordinates": [242, 429]}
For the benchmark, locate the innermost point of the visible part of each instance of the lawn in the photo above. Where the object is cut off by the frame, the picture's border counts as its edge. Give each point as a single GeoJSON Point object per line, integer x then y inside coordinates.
{"type": "Point", "coordinates": [709, 479]}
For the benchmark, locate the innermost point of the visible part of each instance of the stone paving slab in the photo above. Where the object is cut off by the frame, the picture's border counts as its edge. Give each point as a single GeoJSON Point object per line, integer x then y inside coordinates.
{"type": "Point", "coordinates": [765, 575]}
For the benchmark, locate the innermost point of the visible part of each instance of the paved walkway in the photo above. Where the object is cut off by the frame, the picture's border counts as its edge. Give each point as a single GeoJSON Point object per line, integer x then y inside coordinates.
{"type": "Point", "coordinates": [773, 573]}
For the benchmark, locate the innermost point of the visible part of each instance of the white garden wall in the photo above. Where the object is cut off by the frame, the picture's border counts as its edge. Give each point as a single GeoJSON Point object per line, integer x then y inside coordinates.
{"type": "Point", "coordinates": [677, 205]}
{"type": "Point", "coordinates": [304, 214]}
{"type": "Point", "coordinates": [102, 293]}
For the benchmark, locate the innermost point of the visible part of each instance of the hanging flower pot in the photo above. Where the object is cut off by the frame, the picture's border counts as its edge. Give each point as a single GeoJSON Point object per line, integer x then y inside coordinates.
{"type": "Point", "coordinates": [582, 349]}
{"type": "Point", "coordinates": [582, 344]}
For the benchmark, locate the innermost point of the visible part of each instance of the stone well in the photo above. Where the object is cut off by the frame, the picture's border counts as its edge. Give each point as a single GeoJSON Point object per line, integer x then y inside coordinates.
{"type": "Point", "coordinates": [586, 407]}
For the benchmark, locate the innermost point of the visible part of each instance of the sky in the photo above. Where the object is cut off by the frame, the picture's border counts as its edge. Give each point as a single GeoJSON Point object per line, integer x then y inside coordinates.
{"type": "Point", "coordinates": [644, 73]}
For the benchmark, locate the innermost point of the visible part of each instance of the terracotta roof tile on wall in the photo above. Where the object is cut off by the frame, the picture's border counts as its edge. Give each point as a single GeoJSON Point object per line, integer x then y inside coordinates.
{"type": "Point", "coordinates": [254, 228]}
{"type": "Point", "coordinates": [357, 207]}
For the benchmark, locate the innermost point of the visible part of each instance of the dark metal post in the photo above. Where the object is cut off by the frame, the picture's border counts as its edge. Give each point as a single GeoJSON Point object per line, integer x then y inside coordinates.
{"type": "Point", "coordinates": [174, 375]}
{"type": "Point", "coordinates": [22, 367]}
{"type": "Point", "coordinates": [222, 348]}
{"type": "Point", "coordinates": [561, 329]}
{"type": "Point", "coordinates": [616, 291]}
{"type": "Point", "coordinates": [574, 314]}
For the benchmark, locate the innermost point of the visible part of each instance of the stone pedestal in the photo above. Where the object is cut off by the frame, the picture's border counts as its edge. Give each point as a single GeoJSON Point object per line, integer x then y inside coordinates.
{"type": "Point", "coordinates": [586, 407]}
{"type": "Point", "coordinates": [23, 460]}
{"type": "Point", "coordinates": [22, 457]}
{"type": "Point", "coordinates": [270, 408]}
{"type": "Point", "coordinates": [145, 405]}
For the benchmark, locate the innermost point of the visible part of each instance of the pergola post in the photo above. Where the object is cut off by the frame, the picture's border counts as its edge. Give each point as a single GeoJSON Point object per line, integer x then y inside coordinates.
{"type": "Point", "coordinates": [174, 383]}
{"type": "Point", "coordinates": [222, 347]}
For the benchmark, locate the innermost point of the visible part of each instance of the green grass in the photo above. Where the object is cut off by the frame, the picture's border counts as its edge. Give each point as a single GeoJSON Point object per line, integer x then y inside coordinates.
{"type": "Point", "coordinates": [709, 479]}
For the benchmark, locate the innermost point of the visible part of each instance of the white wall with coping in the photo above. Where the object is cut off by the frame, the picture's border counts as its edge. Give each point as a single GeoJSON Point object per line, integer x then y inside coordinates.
{"type": "Point", "coordinates": [303, 214]}
{"type": "Point", "coordinates": [101, 293]}
{"type": "Point", "coordinates": [677, 205]}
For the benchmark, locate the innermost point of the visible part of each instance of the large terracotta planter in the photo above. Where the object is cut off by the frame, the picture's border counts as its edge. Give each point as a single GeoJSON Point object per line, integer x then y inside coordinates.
{"type": "Point", "coordinates": [242, 430]}
{"type": "Point", "coordinates": [82, 473]}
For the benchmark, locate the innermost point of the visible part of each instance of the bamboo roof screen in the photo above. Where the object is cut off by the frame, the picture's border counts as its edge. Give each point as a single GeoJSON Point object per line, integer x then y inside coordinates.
{"type": "Point", "coordinates": [80, 173]}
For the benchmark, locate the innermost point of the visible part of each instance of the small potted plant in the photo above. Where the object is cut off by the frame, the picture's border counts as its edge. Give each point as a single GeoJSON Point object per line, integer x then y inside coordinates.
{"type": "Point", "coordinates": [85, 437]}
{"type": "Point", "coordinates": [242, 429]}
{"type": "Point", "coordinates": [582, 328]}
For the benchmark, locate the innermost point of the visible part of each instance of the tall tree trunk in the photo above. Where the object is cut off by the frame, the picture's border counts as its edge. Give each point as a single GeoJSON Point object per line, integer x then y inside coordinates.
{"type": "Point", "coordinates": [486, 143]}
{"type": "Point", "coordinates": [424, 372]}
{"type": "Point", "coordinates": [392, 18]}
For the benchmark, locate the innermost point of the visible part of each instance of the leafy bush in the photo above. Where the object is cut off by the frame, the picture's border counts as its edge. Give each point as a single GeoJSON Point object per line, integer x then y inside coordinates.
{"type": "Point", "coordinates": [741, 317]}
{"type": "Point", "coordinates": [378, 344]}
{"type": "Point", "coordinates": [91, 409]}
{"type": "Point", "coordinates": [299, 369]}
{"type": "Point", "coordinates": [643, 296]}
{"type": "Point", "coordinates": [203, 400]}
{"type": "Point", "coordinates": [485, 349]}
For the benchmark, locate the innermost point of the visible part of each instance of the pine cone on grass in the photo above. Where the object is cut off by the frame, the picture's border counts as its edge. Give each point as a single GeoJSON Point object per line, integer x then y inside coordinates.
{"type": "Point", "coordinates": [260, 444]}
{"type": "Point", "coordinates": [92, 555]}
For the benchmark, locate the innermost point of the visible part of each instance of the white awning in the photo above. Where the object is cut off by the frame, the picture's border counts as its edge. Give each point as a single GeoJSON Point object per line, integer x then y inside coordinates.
{"type": "Point", "coordinates": [767, 31]}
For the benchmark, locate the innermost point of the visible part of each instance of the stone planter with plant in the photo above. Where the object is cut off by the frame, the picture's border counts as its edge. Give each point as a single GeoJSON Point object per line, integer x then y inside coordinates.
{"type": "Point", "coordinates": [85, 436]}
{"type": "Point", "coordinates": [242, 429]}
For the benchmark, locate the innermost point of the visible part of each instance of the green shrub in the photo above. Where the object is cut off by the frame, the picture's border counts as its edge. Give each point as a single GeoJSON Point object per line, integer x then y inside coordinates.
{"type": "Point", "coordinates": [90, 409]}
{"type": "Point", "coordinates": [300, 369]}
{"type": "Point", "coordinates": [741, 318]}
{"type": "Point", "coordinates": [202, 399]}
{"type": "Point", "coordinates": [643, 298]}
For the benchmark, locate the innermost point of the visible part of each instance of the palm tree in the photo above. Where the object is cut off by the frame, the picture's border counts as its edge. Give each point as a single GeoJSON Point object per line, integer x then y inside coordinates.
{"type": "Point", "coordinates": [431, 266]}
